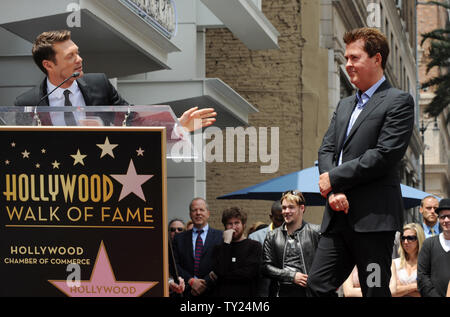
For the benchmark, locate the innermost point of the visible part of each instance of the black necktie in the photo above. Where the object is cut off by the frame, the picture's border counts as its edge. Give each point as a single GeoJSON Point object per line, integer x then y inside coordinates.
{"type": "Point", "coordinates": [68, 116]}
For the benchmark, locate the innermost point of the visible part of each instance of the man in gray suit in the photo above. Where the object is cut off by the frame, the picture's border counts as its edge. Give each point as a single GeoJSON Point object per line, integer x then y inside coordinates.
{"type": "Point", "coordinates": [359, 173]}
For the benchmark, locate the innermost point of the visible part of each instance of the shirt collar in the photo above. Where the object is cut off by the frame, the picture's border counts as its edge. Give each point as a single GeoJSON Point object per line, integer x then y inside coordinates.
{"type": "Point", "coordinates": [444, 243]}
{"type": "Point", "coordinates": [369, 92]}
{"type": "Point", "coordinates": [205, 229]}
{"type": "Point", "coordinates": [427, 228]}
{"type": "Point", "coordinates": [59, 93]}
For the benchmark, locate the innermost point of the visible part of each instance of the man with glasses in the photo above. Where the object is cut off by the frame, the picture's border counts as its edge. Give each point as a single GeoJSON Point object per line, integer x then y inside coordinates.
{"type": "Point", "coordinates": [430, 223]}
{"type": "Point", "coordinates": [433, 269]}
{"type": "Point", "coordinates": [289, 249]}
{"type": "Point", "coordinates": [176, 226]}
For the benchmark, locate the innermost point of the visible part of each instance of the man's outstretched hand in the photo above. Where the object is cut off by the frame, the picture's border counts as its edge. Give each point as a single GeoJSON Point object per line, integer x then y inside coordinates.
{"type": "Point", "coordinates": [205, 117]}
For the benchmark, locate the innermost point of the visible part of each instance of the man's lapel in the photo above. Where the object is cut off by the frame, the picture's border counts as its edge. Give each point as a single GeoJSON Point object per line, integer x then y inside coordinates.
{"type": "Point", "coordinates": [347, 109]}
{"type": "Point", "coordinates": [189, 245]}
{"type": "Point", "coordinates": [85, 91]}
{"type": "Point", "coordinates": [375, 100]}
{"type": "Point", "coordinates": [41, 92]}
{"type": "Point", "coordinates": [207, 242]}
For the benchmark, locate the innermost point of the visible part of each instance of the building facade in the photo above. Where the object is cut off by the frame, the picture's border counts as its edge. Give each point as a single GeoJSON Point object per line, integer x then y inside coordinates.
{"type": "Point", "coordinates": [273, 70]}
{"type": "Point", "coordinates": [436, 132]}
{"type": "Point", "coordinates": [289, 88]}
{"type": "Point", "coordinates": [298, 87]}
{"type": "Point", "coordinates": [153, 51]}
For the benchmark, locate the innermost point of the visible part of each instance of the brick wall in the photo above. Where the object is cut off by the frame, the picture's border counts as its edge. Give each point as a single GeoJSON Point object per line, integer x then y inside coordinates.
{"type": "Point", "coordinates": [271, 81]}
{"type": "Point", "coordinates": [430, 17]}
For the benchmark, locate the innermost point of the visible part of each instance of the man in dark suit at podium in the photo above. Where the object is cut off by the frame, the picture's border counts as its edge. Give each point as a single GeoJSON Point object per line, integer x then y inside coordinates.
{"type": "Point", "coordinates": [359, 162]}
{"type": "Point", "coordinates": [58, 57]}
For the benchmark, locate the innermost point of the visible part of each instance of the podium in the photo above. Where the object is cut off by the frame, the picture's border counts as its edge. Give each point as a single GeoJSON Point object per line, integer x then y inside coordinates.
{"type": "Point", "coordinates": [84, 207]}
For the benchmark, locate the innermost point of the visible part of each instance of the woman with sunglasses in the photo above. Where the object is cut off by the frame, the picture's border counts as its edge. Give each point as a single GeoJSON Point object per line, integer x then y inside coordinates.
{"type": "Point", "coordinates": [406, 265]}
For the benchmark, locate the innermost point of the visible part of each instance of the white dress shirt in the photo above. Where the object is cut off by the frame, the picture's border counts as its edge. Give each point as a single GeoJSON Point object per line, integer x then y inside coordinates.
{"type": "Point", "coordinates": [362, 100]}
{"type": "Point", "coordinates": [56, 99]}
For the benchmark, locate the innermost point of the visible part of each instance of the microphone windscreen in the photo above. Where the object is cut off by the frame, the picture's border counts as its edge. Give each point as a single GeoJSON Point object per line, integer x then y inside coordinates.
{"type": "Point", "coordinates": [76, 74]}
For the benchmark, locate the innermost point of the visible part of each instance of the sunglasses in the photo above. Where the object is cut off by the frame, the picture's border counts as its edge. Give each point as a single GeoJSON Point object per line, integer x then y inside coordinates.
{"type": "Point", "coordinates": [444, 216]}
{"type": "Point", "coordinates": [292, 192]}
{"type": "Point", "coordinates": [295, 193]}
{"type": "Point", "coordinates": [409, 238]}
{"type": "Point", "coordinates": [176, 229]}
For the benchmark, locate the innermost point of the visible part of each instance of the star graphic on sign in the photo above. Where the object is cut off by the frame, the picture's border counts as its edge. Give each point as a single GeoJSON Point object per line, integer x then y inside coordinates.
{"type": "Point", "coordinates": [78, 158]}
{"type": "Point", "coordinates": [43, 151]}
{"type": "Point", "coordinates": [13, 144]}
{"type": "Point", "coordinates": [7, 162]}
{"type": "Point", "coordinates": [131, 182]}
{"type": "Point", "coordinates": [140, 152]}
{"type": "Point", "coordinates": [56, 164]}
{"type": "Point", "coordinates": [103, 282]}
{"type": "Point", "coordinates": [26, 154]}
{"type": "Point", "coordinates": [107, 148]}
{"type": "Point", "coordinates": [38, 165]}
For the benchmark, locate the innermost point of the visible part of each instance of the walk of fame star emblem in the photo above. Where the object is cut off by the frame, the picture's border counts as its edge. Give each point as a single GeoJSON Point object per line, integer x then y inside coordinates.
{"type": "Point", "coordinates": [102, 283]}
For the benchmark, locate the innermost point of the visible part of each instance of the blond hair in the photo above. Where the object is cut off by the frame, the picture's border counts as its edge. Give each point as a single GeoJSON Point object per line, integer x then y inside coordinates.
{"type": "Point", "coordinates": [293, 196]}
{"type": "Point", "coordinates": [420, 238]}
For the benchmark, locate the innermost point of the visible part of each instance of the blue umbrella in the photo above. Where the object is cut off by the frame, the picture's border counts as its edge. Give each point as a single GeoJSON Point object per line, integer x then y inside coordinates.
{"type": "Point", "coordinates": [307, 181]}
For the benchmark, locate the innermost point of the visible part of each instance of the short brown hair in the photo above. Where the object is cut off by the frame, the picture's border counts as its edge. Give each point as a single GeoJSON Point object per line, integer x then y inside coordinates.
{"type": "Point", "coordinates": [43, 46]}
{"type": "Point", "coordinates": [234, 212]}
{"type": "Point", "coordinates": [375, 42]}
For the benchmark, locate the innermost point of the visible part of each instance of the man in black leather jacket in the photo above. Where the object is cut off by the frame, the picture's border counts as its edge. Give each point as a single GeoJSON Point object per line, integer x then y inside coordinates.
{"type": "Point", "coordinates": [289, 250]}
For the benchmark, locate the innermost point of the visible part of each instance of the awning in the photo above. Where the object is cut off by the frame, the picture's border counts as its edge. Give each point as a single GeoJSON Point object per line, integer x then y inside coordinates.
{"type": "Point", "coordinates": [232, 109]}
{"type": "Point", "coordinates": [109, 33]}
{"type": "Point", "coordinates": [246, 21]}
{"type": "Point", "coordinates": [307, 181]}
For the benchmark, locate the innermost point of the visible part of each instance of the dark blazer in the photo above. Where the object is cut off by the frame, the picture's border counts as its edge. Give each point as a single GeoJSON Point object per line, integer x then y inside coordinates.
{"type": "Point", "coordinates": [95, 88]}
{"type": "Point", "coordinates": [184, 254]}
{"type": "Point", "coordinates": [369, 173]}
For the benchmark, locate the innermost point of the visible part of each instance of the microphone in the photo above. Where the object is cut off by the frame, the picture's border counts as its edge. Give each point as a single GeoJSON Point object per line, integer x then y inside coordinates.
{"type": "Point", "coordinates": [76, 74]}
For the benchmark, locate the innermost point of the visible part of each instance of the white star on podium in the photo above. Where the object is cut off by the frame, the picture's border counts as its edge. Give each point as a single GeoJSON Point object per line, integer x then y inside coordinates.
{"type": "Point", "coordinates": [78, 158]}
{"type": "Point", "coordinates": [107, 148]}
{"type": "Point", "coordinates": [131, 182]}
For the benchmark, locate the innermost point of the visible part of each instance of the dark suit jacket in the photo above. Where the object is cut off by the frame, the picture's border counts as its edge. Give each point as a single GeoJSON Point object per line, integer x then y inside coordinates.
{"type": "Point", "coordinates": [95, 88]}
{"type": "Point", "coordinates": [184, 254]}
{"type": "Point", "coordinates": [369, 173]}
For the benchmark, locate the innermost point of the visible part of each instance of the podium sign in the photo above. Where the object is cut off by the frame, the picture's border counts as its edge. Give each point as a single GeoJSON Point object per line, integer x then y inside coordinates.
{"type": "Point", "coordinates": [83, 211]}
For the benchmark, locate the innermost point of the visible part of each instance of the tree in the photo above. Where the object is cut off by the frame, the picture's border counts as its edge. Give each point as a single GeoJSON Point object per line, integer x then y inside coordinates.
{"type": "Point", "coordinates": [439, 54]}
